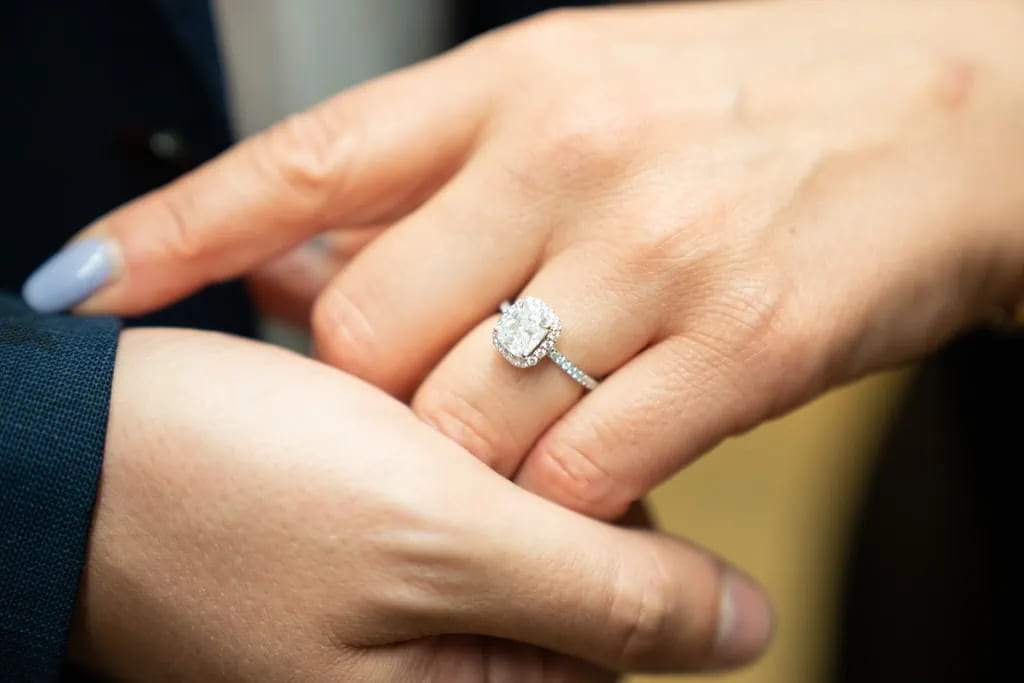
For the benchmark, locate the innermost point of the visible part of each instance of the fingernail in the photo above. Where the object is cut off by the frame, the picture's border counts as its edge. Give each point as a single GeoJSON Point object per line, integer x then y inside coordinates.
{"type": "Point", "coordinates": [745, 621]}
{"type": "Point", "coordinates": [69, 276]}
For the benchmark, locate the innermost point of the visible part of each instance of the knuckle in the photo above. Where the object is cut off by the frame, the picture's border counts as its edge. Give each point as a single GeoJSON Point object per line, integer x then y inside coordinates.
{"type": "Point", "coordinates": [580, 136]}
{"type": "Point", "coordinates": [674, 243]}
{"type": "Point", "coordinates": [586, 141]}
{"type": "Point", "coordinates": [748, 312]}
{"type": "Point", "coordinates": [545, 32]}
{"type": "Point", "coordinates": [462, 420]}
{"type": "Point", "coordinates": [559, 18]}
{"type": "Point", "coordinates": [753, 338]}
{"type": "Point", "coordinates": [579, 480]}
{"type": "Point", "coordinates": [641, 609]}
{"type": "Point", "coordinates": [654, 246]}
{"type": "Point", "coordinates": [177, 237]}
{"type": "Point", "coordinates": [342, 332]}
{"type": "Point", "coordinates": [312, 153]}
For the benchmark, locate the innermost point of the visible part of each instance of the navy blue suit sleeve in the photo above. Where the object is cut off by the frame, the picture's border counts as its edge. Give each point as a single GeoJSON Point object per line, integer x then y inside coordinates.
{"type": "Point", "coordinates": [55, 376]}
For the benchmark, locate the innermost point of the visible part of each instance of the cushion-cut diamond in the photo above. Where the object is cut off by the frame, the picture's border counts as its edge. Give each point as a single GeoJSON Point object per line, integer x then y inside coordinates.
{"type": "Point", "coordinates": [523, 327]}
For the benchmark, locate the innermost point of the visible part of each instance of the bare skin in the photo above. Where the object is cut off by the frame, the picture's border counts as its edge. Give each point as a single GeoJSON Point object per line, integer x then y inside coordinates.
{"type": "Point", "coordinates": [265, 517]}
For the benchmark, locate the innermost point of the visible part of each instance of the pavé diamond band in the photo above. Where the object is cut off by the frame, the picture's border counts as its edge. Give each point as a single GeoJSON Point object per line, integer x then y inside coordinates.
{"type": "Point", "coordinates": [527, 331]}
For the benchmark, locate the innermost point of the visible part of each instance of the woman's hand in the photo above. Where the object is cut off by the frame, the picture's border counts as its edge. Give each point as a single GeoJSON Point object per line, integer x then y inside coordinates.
{"type": "Point", "coordinates": [265, 517]}
{"type": "Point", "coordinates": [732, 207]}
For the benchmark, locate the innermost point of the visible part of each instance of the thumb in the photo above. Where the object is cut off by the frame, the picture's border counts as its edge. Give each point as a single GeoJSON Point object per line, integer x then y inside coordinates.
{"type": "Point", "coordinates": [367, 155]}
{"type": "Point", "coordinates": [624, 599]}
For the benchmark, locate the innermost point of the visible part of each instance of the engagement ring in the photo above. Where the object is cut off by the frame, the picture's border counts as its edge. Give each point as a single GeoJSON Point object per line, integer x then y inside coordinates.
{"type": "Point", "coordinates": [527, 332]}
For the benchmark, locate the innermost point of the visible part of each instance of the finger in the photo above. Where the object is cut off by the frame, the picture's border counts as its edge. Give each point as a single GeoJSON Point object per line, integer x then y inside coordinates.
{"type": "Point", "coordinates": [683, 396]}
{"type": "Point", "coordinates": [556, 668]}
{"type": "Point", "coordinates": [508, 662]}
{"type": "Point", "coordinates": [623, 599]}
{"type": "Point", "coordinates": [287, 286]}
{"type": "Point", "coordinates": [497, 411]}
{"type": "Point", "coordinates": [477, 658]}
{"type": "Point", "coordinates": [346, 243]}
{"type": "Point", "coordinates": [367, 155]}
{"type": "Point", "coordinates": [392, 314]}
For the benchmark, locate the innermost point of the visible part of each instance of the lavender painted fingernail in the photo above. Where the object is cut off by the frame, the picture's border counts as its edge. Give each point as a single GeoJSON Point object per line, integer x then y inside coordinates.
{"type": "Point", "coordinates": [69, 276]}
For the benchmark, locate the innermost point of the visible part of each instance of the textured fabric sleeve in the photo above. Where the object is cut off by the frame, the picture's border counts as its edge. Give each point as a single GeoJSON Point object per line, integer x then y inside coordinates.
{"type": "Point", "coordinates": [55, 376]}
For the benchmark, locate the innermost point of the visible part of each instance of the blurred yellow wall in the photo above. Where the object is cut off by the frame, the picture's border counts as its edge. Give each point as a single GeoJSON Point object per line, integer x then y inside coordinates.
{"type": "Point", "coordinates": [778, 502]}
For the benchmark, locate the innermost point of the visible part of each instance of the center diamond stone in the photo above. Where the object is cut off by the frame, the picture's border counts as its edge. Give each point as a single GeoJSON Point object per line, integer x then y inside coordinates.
{"type": "Point", "coordinates": [526, 331]}
{"type": "Point", "coordinates": [522, 328]}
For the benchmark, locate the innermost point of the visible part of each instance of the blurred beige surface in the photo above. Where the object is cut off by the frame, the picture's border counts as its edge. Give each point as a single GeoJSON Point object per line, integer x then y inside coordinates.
{"type": "Point", "coordinates": [779, 502]}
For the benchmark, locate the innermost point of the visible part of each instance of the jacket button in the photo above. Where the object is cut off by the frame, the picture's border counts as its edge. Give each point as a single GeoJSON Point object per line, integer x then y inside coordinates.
{"type": "Point", "coordinates": [167, 145]}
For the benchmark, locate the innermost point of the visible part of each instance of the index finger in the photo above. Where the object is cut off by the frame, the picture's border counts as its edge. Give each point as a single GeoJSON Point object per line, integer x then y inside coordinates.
{"type": "Point", "coordinates": [369, 154]}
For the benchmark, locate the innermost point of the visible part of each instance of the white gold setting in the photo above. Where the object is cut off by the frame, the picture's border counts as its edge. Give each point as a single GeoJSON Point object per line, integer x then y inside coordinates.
{"type": "Point", "coordinates": [527, 332]}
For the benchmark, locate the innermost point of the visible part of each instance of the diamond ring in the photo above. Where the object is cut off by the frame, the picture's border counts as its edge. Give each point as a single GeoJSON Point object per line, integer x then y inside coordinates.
{"type": "Point", "coordinates": [527, 331]}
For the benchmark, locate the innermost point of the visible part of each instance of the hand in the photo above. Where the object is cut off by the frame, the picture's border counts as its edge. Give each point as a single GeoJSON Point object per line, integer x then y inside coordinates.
{"type": "Point", "coordinates": [265, 517]}
{"type": "Point", "coordinates": [732, 207]}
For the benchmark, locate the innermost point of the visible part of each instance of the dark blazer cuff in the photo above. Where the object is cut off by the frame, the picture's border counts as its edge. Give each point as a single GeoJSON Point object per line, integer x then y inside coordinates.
{"type": "Point", "coordinates": [55, 377]}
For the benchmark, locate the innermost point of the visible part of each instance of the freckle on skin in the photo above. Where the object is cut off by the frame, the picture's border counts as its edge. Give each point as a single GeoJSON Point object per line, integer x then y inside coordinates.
{"type": "Point", "coordinates": [953, 85]}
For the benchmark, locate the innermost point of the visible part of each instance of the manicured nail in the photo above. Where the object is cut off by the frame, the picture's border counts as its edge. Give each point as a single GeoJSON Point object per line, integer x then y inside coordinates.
{"type": "Point", "coordinates": [745, 622]}
{"type": "Point", "coordinates": [69, 276]}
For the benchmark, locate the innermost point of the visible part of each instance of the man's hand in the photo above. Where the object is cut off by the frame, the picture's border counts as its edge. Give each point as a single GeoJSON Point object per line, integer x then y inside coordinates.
{"type": "Point", "coordinates": [265, 517]}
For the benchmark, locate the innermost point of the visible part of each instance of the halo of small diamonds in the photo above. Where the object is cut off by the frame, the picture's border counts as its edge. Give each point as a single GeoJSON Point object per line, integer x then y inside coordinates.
{"type": "Point", "coordinates": [527, 331]}
{"type": "Point", "coordinates": [508, 331]}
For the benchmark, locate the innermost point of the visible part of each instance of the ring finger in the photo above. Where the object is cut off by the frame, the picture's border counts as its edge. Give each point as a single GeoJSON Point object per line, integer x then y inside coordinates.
{"type": "Point", "coordinates": [397, 308]}
{"type": "Point", "coordinates": [496, 410]}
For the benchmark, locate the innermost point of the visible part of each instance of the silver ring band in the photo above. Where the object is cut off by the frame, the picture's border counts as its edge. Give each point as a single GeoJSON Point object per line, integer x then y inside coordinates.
{"type": "Point", "coordinates": [570, 369]}
{"type": "Point", "coordinates": [527, 332]}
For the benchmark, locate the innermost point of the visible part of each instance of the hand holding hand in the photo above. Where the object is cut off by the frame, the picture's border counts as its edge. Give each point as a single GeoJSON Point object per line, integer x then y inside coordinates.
{"type": "Point", "coordinates": [265, 517]}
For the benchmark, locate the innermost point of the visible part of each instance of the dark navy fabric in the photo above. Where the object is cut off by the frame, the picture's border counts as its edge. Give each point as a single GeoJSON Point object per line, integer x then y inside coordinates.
{"type": "Point", "coordinates": [55, 374]}
{"type": "Point", "coordinates": [86, 87]}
